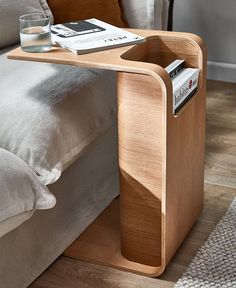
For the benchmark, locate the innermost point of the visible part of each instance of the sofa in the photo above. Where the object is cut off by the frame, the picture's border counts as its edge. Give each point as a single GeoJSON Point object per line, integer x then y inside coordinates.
{"type": "Point", "coordinates": [58, 138]}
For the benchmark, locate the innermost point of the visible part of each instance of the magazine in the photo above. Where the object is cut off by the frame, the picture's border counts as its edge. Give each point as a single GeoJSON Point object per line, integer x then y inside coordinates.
{"type": "Point", "coordinates": [184, 82]}
{"type": "Point", "coordinates": [86, 36]}
{"type": "Point", "coordinates": [175, 67]}
{"type": "Point", "coordinates": [184, 87]}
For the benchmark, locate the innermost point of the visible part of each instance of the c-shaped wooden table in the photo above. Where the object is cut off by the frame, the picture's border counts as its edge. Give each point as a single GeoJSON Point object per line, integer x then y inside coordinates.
{"type": "Point", "coordinates": [161, 155]}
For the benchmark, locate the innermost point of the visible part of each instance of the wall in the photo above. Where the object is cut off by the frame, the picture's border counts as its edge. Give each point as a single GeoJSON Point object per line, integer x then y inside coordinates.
{"type": "Point", "coordinates": [215, 22]}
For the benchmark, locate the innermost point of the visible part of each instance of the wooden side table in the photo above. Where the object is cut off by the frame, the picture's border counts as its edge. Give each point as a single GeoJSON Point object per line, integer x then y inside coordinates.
{"type": "Point", "coordinates": [161, 155]}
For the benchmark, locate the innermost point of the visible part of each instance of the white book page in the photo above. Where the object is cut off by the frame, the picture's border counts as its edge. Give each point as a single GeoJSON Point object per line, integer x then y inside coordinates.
{"type": "Point", "coordinates": [104, 35]}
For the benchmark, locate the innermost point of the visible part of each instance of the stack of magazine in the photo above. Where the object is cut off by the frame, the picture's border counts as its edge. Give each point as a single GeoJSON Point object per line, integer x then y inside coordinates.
{"type": "Point", "coordinates": [86, 36]}
{"type": "Point", "coordinates": [184, 82]}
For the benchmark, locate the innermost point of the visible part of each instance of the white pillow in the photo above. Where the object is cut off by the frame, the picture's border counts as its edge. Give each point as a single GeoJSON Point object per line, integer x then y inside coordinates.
{"type": "Point", "coordinates": [146, 14]}
{"type": "Point", "coordinates": [20, 189]}
{"type": "Point", "coordinates": [10, 11]}
{"type": "Point", "coordinates": [49, 114]}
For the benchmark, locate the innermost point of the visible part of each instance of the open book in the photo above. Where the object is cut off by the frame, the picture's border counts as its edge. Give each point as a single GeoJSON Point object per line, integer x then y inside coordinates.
{"type": "Point", "coordinates": [91, 35]}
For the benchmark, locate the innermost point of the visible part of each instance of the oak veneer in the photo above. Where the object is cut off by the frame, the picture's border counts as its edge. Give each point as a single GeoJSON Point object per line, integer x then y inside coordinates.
{"type": "Point", "coordinates": [161, 155]}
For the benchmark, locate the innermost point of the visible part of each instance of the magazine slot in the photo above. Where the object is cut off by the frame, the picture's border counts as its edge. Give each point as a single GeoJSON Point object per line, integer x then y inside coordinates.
{"type": "Point", "coordinates": [162, 50]}
{"type": "Point", "coordinates": [165, 51]}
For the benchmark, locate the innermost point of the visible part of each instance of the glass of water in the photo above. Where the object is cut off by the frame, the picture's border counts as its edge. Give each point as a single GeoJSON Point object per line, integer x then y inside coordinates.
{"type": "Point", "coordinates": [35, 32]}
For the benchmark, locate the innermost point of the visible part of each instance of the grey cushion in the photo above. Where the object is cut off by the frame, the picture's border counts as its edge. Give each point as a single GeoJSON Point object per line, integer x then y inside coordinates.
{"type": "Point", "coordinates": [20, 189]}
{"type": "Point", "coordinates": [146, 14]}
{"type": "Point", "coordinates": [10, 11]}
{"type": "Point", "coordinates": [49, 113]}
{"type": "Point", "coordinates": [13, 222]}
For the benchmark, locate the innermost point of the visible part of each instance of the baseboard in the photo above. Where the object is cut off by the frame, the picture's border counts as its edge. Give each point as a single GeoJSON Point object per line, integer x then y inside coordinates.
{"type": "Point", "coordinates": [221, 71]}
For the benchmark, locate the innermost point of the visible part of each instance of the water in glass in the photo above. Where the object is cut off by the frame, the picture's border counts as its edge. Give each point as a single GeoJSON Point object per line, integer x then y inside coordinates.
{"type": "Point", "coordinates": [35, 33]}
{"type": "Point", "coordinates": [35, 39]}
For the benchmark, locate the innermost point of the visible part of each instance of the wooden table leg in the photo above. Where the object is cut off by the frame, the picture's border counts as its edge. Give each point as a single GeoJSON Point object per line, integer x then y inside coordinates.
{"type": "Point", "coordinates": [141, 148]}
{"type": "Point", "coordinates": [161, 161]}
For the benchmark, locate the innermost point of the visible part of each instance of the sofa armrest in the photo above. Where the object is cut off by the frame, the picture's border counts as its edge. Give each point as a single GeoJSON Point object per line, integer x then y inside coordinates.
{"type": "Point", "coordinates": [146, 14]}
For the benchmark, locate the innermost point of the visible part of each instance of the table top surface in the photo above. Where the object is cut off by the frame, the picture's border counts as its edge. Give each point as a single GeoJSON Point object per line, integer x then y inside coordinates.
{"type": "Point", "coordinates": [111, 59]}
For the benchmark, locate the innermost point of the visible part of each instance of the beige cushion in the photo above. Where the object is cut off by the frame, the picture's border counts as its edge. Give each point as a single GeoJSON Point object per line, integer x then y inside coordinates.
{"type": "Point", "coordinates": [50, 113]}
{"type": "Point", "coordinates": [10, 11]}
{"type": "Point", "coordinates": [20, 189]}
{"type": "Point", "coordinates": [146, 14]}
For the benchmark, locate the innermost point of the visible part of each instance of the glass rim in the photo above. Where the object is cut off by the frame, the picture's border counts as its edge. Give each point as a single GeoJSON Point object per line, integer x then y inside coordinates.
{"type": "Point", "coordinates": [45, 17]}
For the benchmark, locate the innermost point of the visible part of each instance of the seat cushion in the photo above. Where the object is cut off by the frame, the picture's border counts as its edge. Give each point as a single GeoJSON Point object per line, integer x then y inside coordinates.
{"type": "Point", "coordinates": [10, 11]}
{"type": "Point", "coordinates": [50, 113]}
{"type": "Point", "coordinates": [20, 190]}
{"type": "Point", "coordinates": [13, 222]}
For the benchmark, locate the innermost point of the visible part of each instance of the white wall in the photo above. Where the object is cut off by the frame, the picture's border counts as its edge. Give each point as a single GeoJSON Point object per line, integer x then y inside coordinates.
{"type": "Point", "coordinates": [215, 22]}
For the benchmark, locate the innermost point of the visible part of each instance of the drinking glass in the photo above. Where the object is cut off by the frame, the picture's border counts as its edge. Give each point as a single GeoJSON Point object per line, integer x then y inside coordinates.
{"type": "Point", "coordinates": [35, 32]}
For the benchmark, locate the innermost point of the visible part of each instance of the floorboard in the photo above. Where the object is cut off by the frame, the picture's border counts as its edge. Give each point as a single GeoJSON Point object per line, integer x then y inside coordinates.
{"type": "Point", "coordinates": [221, 134]}
{"type": "Point", "coordinates": [220, 189]}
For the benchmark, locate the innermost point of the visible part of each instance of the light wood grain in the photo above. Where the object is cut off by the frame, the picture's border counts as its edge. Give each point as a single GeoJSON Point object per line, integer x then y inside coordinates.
{"type": "Point", "coordinates": [114, 59]}
{"type": "Point", "coordinates": [141, 144]}
{"type": "Point", "coordinates": [152, 141]}
{"type": "Point", "coordinates": [161, 155]}
{"type": "Point", "coordinates": [102, 239]}
{"type": "Point", "coordinates": [70, 273]}
{"type": "Point", "coordinates": [161, 159]}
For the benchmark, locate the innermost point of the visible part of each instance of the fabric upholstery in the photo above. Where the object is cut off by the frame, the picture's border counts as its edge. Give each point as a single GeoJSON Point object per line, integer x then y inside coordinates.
{"type": "Point", "coordinates": [10, 11]}
{"type": "Point", "coordinates": [20, 189]}
{"type": "Point", "coordinates": [50, 113]}
{"type": "Point", "coordinates": [83, 192]}
{"type": "Point", "coordinates": [13, 222]}
{"type": "Point", "coordinates": [71, 10]}
{"type": "Point", "coordinates": [146, 14]}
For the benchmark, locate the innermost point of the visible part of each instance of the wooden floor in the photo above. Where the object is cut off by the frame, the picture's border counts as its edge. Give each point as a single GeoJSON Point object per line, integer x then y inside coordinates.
{"type": "Point", "coordinates": [220, 189]}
